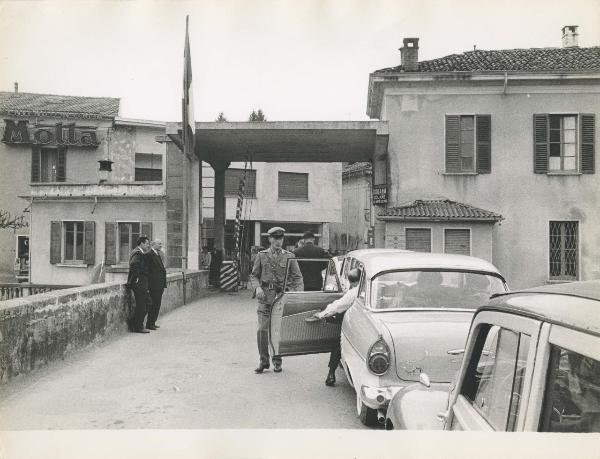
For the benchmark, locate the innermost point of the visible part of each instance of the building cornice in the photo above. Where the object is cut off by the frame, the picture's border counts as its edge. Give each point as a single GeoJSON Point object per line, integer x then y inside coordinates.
{"type": "Point", "coordinates": [137, 122]}
{"type": "Point", "coordinates": [464, 82]}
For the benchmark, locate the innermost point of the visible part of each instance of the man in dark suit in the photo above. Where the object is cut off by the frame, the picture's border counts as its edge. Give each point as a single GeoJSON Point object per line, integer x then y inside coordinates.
{"type": "Point", "coordinates": [311, 270]}
{"type": "Point", "coordinates": [157, 280]}
{"type": "Point", "coordinates": [137, 280]}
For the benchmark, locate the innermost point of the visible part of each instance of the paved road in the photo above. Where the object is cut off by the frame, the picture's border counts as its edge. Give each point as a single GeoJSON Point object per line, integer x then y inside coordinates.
{"type": "Point", "coordinates": [195, 372]}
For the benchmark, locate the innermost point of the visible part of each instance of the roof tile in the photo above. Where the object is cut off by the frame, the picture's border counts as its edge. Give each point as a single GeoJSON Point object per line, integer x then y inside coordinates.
{"type": "Point", "coordinates": [438, 209]}
{"type": "Point", "coordinates": [512, 60]}
{"type": "Point", "coordinates": [60, 106]}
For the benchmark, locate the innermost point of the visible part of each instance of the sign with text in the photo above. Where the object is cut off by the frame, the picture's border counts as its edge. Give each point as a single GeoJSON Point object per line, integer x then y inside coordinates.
{"type": "Point", "coordinates": [380, 194]}
{"type": "Point", "coordinates": [19, 132]}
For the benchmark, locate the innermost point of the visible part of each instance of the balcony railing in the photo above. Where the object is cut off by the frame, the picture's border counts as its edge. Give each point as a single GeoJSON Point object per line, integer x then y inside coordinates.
{"type": "Point", "coordinates": [10, 291]}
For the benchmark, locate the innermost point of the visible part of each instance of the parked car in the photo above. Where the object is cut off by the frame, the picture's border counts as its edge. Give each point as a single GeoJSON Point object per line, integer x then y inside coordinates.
{"type": "Point", "coordinates": [412, 308]}
{"type": "Point", "coordinates": [531, 363]}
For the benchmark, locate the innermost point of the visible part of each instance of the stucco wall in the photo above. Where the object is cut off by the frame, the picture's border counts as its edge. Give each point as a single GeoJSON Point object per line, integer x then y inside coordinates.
{"type": "Point", "coordinates": [44, 212]}
{"type": "Point", "coordinates": [355, 219]}
{"type": "Point", "coordinates": [42, 328]}
{"type": "Point", "coordinates": [324, 194]}
{"type": "Point", "coordinates": [526, 200]}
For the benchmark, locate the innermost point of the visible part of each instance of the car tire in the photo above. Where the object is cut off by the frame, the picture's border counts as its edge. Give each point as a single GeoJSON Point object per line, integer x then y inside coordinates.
{"type": "Point", "coordinates": [368, 416]}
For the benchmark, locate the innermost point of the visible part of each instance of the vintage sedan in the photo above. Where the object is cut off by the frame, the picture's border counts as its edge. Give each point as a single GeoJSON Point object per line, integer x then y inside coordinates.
{"type": "Point", "coordinates": [532, 363]}
{"type": "Point", "coordinates": [411, 310]}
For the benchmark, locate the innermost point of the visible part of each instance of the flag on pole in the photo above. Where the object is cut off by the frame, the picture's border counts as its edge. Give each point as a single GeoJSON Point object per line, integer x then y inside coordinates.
{"type": "Point", "coordinates": [189, 125]}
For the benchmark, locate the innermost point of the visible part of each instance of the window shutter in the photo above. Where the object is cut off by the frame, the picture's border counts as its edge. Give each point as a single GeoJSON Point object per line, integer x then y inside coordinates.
{"type": "Point", "coordinates": [61, 166]}
{"type": "Point", "coordinates": [110, 243]}
{"type": "Point", "coordinates": [146, 230]}
{"type": "Point", "coordinates": [452, 143]}
{"type": "Point", "coordinates": [418, 239]}
{"type": "Point", "coordinates": [588, 131]}
{"type": "Point", "coordinates": [457, 241]}
{"type": "Point", "coordinates": [293, 185]}
{"type": "Point", "coordinates": [484, 144]}
{"type": "Point", "coordinates": [35, 164]}
{"type": "Point", "coordinates": [55, 242]}
{"type": "Point", "coordinates": [540, 144]}
{"type": "Point", "coordinates": [89, 242]}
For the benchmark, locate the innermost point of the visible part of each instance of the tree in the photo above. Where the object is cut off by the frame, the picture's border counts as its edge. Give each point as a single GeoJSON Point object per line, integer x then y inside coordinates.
{"type": "Point", "coordinates": [221, 118]}
{"type": "Point", "coordinates": [8, 221]}
{"type": "Point", "coordinates": [257, 116]}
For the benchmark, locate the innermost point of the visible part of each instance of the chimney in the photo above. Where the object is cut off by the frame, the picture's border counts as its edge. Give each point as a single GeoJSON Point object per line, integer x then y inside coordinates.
{"type": "Point", "coordinates": [409, 55]}
{"type": "Point", "coordinates": [569, 36]}
{"type": "Point", "coordinates": [16, 87]}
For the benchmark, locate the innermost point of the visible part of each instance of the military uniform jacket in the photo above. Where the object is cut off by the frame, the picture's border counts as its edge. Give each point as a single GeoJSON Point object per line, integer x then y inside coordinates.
{"type": "Point", "coordinates": [269, 267]}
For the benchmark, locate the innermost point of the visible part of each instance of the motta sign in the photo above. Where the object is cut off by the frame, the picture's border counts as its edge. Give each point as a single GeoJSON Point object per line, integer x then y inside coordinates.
{"type": "Point", "coordinates": [19, 132]}
{"type": "Point", "coordinates": [380, 194]}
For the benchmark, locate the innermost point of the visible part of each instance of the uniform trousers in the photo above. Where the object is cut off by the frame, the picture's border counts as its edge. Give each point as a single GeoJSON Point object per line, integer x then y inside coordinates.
{"type": "Point", "coordinates": [262, 334]}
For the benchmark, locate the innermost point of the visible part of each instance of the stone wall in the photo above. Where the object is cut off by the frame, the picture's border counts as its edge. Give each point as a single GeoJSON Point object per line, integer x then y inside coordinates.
{"type": "Point", "coordinates": [42, 328]}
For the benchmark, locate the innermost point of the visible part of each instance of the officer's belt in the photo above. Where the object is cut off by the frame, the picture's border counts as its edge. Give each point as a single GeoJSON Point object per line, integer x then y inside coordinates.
{"type": "Point", "coordinates": [272, 285]}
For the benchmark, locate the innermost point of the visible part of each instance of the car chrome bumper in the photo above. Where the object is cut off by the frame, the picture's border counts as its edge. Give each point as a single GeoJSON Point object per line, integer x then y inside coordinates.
{"type": "Point", "coordinates": [378, 397]}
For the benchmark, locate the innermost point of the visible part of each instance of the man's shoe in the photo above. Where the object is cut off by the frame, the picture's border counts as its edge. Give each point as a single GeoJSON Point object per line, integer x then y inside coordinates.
{"type": "Point", "coordinates": [151, 327]}
{"type": "Point", "coordinates": [261, 368]}
{"type": "Point", "coordinates": [156, 326]}
{"type": "Point", "coordinates": [330, 381]}
{"type": "Point", "coordinates": [141, 330]}
{"type": "Point", "coordinates": [277, 367]}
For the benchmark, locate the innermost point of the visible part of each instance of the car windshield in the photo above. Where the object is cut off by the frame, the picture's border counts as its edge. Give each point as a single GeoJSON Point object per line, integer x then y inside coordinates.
{"type": "Point", "coordinates": [433, 289]}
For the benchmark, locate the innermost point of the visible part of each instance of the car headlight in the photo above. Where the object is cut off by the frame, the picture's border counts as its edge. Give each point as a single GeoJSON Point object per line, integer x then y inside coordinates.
{"type": "Point", "coordinates": [378, 358]}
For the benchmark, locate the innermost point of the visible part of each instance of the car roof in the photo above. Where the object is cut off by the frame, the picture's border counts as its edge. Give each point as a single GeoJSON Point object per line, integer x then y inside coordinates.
{"type": "Point", "coordinates": [378, 260]}
{"type": "Point", "coordinates": [573, 304]}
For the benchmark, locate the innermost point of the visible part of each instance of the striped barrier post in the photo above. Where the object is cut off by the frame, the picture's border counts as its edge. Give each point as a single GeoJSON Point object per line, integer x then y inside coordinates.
{"type": "Point", "coordinates": [229, 278]}
{"type": "Point", "coordinates": [238, 222]}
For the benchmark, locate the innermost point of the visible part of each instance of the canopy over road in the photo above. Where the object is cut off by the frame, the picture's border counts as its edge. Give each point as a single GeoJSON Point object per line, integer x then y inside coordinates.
{"type": "Point", "coordinates": [288, 141]}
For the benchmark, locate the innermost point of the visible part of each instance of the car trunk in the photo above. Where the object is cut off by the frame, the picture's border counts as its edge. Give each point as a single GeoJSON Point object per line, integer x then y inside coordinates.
{"type": "Point", "coordinates": [422, 340]}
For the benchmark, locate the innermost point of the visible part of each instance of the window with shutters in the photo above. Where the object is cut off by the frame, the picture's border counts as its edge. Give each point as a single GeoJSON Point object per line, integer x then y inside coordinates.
{"type": "Point", "coordinates": [468, 144]}
{"type": "Point", "coordinates": [418, 239]}
{"type": "Point", "coordinates": [564, 143]}
{"type": "Point", "coordinates": [73, 242]}
{"type": "Point", "coordinates": [128, 234]}
{"type": "Point", "coordinates": [293, 186]}
{"type": "Point", "coordinates": [564, 259]}
{"type": "Point", "coordinates": [232, 182]}
{"type": "Point", "coordinates": [48, 165]}
{"type": "Point", "coordinates": [457, 241]}
{"type": "Point", "coordinates": [148, 167]}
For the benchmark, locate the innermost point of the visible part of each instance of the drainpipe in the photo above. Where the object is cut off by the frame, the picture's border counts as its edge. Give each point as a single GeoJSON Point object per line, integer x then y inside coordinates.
{"type": "Point", "coordinates": [505, 82]}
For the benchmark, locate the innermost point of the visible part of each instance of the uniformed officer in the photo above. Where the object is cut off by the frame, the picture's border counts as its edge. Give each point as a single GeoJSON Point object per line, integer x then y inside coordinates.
{"type": "Point", "coordinates": [268, 274]}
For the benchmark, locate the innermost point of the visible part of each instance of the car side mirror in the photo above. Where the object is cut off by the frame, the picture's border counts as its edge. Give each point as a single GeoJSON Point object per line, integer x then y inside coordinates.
{"type": "Point", "coordinates": [424, 379]}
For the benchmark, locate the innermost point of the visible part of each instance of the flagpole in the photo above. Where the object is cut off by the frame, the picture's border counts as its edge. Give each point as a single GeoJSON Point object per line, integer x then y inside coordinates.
{"type": "Point", "coordinates": [188, 131]}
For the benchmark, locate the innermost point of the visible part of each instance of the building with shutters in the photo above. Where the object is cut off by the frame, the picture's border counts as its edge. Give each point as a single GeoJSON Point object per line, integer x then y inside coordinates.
{"type": "Point", "coordinates": [492, 153]}
{"type": "Point", "coordinates": [296, 196]}
{"type": "Point", "coordinates": [82, 222]}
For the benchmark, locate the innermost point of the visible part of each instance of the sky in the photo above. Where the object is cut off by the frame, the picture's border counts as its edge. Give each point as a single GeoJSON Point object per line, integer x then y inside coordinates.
{"type": "Point", "coordinates": [295, 60]}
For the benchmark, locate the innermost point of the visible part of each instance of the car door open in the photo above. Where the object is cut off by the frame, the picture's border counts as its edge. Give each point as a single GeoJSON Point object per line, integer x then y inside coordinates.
{"type": "Point", "coordinates": [290, 334]}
